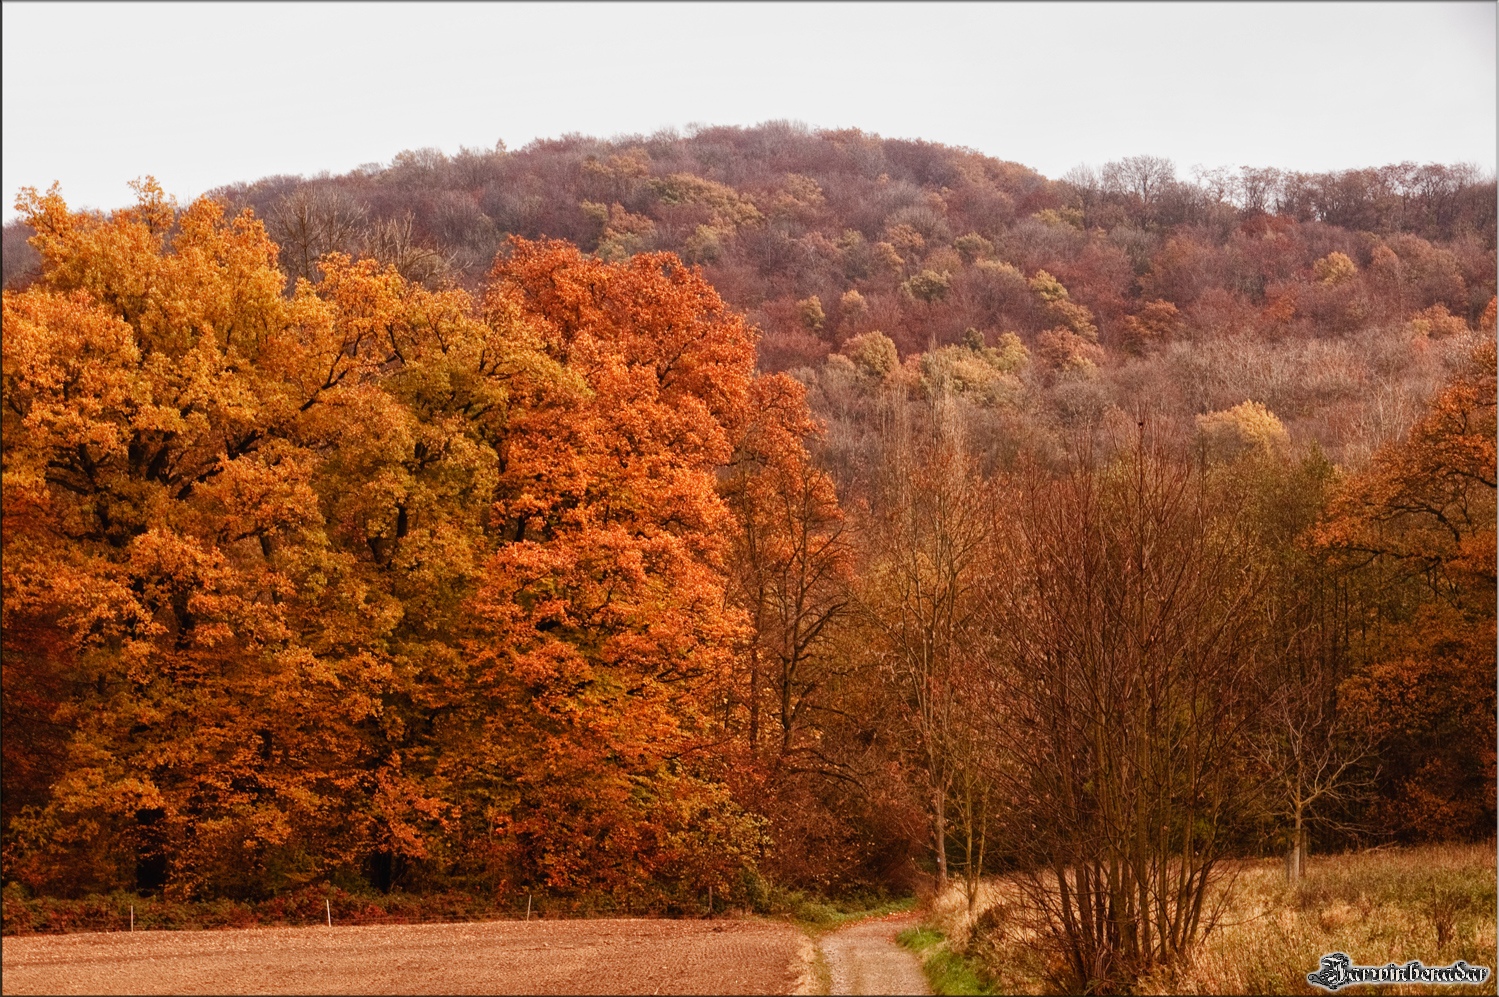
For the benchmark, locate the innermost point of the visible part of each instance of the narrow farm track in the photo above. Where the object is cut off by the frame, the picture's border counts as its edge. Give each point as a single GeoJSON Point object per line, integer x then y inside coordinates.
{"type": "Point", "coordinates": [538, 957]}
{"type": "Point", "coordinates": [865, 958]}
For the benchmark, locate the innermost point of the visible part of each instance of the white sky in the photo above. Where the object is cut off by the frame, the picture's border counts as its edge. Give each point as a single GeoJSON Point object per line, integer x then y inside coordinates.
{"type": "Point", "coordinates": [205, 94]}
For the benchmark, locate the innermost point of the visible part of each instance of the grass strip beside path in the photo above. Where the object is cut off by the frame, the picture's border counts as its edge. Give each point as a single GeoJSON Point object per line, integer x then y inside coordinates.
{"type": "Point", "coordinates": [947, 971]}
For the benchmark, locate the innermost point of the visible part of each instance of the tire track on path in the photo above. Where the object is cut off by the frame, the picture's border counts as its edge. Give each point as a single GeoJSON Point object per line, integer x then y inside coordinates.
{"type": "Point", "coordinates": [865, 958]}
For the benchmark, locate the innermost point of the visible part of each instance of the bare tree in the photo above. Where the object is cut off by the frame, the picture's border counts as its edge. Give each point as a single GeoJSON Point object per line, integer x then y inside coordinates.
{"type": "Point", "coordinates": [311, 222]}
{"type": "Point", "coordinates": [1085, 184]}
{"type": "Point", "coordinates": [1130, 638]}
{"type": "Point", "coordinates": [1314, 758]}
{"type": "Point", "coordinates": [1258, 189]}
{"type": "Point", "coordinates": [978, 756]}
{"type": "Point", "coordinates": [1143, 176]}
{"type": "Point", "coordinates": [393, 242]}
{"type": "Point", "coordinates": [924, 596]}
{"type": "Point", "coordinates": [1219, 182]}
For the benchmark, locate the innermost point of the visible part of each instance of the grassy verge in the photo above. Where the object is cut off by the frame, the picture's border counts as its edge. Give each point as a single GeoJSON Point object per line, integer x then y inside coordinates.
{"type": "Point", "coordinates": [946, 970]}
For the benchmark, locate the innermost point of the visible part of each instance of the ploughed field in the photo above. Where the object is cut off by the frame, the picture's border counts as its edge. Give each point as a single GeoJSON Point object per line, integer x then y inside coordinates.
{"type": "Point", "coordinates": [542, 957]}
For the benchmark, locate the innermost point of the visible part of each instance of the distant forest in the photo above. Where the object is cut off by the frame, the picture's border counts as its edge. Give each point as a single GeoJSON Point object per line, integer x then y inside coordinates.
{"type": "Point", "coordinates": [752, 508]}
{"type": "Point", "coordinates": [1234, 283]}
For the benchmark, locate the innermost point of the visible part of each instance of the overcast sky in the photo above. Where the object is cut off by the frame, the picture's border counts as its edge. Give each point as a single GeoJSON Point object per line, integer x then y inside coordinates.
{"type": "Point", "coordinates": [202, 95]}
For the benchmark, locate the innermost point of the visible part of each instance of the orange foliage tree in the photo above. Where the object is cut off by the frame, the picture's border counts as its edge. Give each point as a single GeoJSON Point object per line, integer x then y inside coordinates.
{"type": "Point", "coordinates": [367, 579]}
{"type": "Point", "coordinates": [604, 639]}
{"type": "Point", "coordinates": [144, 503]}
{"type": "Point", "coordinates": [1418, 527]}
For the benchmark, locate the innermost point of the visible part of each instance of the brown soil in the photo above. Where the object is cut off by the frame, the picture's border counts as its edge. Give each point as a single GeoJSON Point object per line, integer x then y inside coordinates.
{"type": "Point", "coordinates": [865, 958]}
{"type": "Point", "coordinates": [540, 957]}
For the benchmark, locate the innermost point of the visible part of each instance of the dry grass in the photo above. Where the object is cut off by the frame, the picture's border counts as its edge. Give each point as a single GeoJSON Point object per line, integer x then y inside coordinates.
{"type": "Point", "coordinates": [1435, 903]}
{"type": "Point", "coordinates": [998, 939]}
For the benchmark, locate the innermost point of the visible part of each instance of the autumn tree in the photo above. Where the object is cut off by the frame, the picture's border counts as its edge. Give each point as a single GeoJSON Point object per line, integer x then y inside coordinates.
{"type": "Point", "coordinates": [792, 564]}
{"type": "Point", "coordinates": [1416, 529]}
{"type": "Point", "coordinates": [604, 638]}
{"type": "Point", "coordinates": [796, 705]}
{"type": "Point", "coordinates": [1313, 751]}
{"type": "Point", "coordinates": [167, 417]}
{"type": "Point", "coordinates": [1154, 324]}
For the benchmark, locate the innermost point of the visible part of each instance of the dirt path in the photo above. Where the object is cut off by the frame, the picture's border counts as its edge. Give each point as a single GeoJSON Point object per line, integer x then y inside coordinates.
{"type": "Point", "coordinates": [865, 958]}
{"type": "Point", "coordinates": [539, 957]}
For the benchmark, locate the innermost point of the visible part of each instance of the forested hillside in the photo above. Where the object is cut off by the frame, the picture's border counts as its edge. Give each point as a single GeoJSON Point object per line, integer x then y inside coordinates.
{"type": "Point", "coordinates": [1196, 292]}
{"type": "Point", "coordinates": [755, 507]}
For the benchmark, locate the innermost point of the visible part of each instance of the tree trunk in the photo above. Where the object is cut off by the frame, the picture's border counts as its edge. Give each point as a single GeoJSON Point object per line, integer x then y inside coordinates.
{"type": "Point", "coordinates": [754, 700]}
{"type": "Point", "coordinates": [151, 856]}
{"type": "Point", "coordinates": [939, 832]}
{"type": "Point", "coordinates": [969, 883]}
{"type": "Point", "coordinates": [983, 841]}
{"type": "Point", "coordinates": [1296, 858]}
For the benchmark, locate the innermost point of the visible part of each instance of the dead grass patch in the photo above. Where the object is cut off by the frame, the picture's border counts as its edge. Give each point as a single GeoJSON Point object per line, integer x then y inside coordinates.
{"type": "Point", "coordinates": [1433, 903]}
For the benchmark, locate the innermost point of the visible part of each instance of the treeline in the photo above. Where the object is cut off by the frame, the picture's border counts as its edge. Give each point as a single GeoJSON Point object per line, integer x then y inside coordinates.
{"type": "Point", "coordinates": [819, 236]}
{"type": "Point", "coordinates": [1315, 294]}
{"type": "Point", "coordinates": [1328, 297]}
{"type": "Point", "coordinates": [316, 571]}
